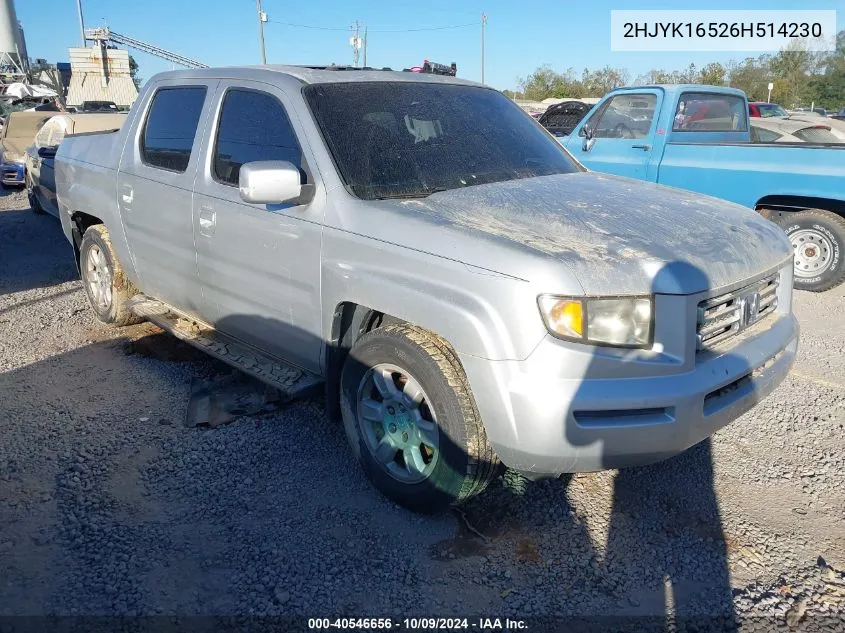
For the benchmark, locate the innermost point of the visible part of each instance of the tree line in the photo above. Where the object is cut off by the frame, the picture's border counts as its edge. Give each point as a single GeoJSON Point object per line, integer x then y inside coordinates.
{"type": "Point", "coordinates": [801, 77]}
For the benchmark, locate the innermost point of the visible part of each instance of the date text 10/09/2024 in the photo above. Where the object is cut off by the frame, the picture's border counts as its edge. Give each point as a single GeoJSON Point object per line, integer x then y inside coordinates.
{"type": "Point", "coordinates": [418, 624]}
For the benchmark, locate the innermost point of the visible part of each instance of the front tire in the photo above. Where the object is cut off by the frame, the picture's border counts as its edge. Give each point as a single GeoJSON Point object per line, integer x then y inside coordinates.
{"type": "Point", "coordinates": [411, 420]}
{"type": "Point", "coordinates": [818, 243]}
{"type": "Point", "coordinates": [105, 284]}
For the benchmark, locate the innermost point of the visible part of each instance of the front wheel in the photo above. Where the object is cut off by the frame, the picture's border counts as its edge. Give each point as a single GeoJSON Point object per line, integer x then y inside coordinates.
{"type": "Point", "coordinates": [411, 419]}
{"type": "Point", "coordinates": [105, 284]}
{"type": "Point", "coordinates": [818, 244]}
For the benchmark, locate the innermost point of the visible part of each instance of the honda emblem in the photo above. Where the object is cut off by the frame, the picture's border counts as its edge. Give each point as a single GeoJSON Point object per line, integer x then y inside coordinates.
{"type": "Point", "coordinates": [749, 309]}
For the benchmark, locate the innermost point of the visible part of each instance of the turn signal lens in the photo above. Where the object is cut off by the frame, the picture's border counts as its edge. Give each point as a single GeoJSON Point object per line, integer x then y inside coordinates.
{"type": "Point", "coordinates": [563, 316]}
{"type": "Point", "coordinates": [611, 321]}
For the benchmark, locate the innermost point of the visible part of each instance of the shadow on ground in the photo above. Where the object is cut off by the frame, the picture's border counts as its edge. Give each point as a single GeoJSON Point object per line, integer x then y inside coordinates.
{"type": "Point", "coordinates": [36, 253]}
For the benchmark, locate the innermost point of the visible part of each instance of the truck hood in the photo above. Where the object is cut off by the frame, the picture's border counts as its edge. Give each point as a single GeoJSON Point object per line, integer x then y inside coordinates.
{"type": "Point", "coordinates": [616, 235]}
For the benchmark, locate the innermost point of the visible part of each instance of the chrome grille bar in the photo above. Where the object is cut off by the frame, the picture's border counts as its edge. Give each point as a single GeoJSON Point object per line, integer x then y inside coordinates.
{"type": "Point", "coordinates": [722, 317]}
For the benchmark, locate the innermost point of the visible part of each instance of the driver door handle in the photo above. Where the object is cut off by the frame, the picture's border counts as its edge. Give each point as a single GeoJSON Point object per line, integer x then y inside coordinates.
{"type": "Point", "coordinates": [645, 148]}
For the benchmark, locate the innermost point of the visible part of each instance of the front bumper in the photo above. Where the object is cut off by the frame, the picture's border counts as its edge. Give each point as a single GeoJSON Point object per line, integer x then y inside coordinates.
{"type": "Point", "coordinates": [542, 423]}
{"type": "Point", "coordinates": [12, 173]}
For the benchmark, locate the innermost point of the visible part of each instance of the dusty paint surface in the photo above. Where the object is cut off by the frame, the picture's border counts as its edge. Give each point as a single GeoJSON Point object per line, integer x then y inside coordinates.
{"type": "Point", "coordinates": [616, 234]}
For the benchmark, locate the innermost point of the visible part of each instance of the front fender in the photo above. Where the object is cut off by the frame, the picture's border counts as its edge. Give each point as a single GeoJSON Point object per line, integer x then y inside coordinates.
{"type": "Point", "coordinates": [480, 313]}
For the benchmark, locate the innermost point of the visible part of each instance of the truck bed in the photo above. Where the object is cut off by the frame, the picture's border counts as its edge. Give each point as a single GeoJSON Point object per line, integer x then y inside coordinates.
{"type": "Point", "coordinates": [746, 173]}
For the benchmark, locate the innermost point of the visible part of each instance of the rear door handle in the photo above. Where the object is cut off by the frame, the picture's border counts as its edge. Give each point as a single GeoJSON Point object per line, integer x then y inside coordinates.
{"type": "Point", "coordinates": [208, 220]}
{"type": "Point", "coordinates": [645, 148]}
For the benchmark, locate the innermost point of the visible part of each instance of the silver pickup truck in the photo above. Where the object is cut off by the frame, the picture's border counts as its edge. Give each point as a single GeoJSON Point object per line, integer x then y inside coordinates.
{"type": "Point", "coordinates": [421, 251]}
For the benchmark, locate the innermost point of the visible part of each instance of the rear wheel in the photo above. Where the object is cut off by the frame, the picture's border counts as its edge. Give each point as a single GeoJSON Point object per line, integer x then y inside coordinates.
{"type": "Point", "coordinates": [411, 420]}
{"type": "Point", "coordinates": [818, 244]}
{"type": "Point", "coordinates": [105, 284]}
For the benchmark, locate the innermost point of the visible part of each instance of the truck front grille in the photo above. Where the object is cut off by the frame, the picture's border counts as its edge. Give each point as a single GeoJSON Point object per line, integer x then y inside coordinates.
{"type": "Point", "coordinates": [722, 317]}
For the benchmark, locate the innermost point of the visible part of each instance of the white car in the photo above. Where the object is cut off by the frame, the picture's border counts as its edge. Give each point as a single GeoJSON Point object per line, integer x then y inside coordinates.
{"type": "Point", "coordinates": [837, 127]}
{"type": "Point", "coordinates": [790, 130]}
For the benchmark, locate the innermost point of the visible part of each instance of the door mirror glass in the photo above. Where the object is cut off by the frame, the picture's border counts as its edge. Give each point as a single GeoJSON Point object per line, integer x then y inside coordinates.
{"type": "Point", "coordinates": [270, 182]}
{"type": "Point", "coordinates": [47, 152]}
{"type": "Point", "coordinates": [588, 130]}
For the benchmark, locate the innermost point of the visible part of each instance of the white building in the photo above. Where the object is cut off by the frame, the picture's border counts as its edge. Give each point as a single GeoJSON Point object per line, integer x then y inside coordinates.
{"type": "Point", "coordinates": [100, 74]}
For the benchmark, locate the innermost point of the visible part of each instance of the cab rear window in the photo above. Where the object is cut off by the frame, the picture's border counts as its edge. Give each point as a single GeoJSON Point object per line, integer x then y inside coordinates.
{"type": "Point", "coordinates": [710, 113]}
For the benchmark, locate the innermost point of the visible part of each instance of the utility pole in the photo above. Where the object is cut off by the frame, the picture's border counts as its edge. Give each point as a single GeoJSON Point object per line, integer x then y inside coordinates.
{"type": "Point", "coordinates": [483, 24]}
{"type": "Point", "coordinates": [81, 21]}
{"type": "Point", "coordinates": [365, 46]}
{"type": "Point", "coordinates": [355, 40]}
{"type": "Point", "coordinates": [262, 18]}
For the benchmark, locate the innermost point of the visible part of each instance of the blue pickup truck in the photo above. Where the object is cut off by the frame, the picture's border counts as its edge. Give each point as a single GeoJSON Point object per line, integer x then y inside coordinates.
{"type": "Point", "coordinates": [698, 138]}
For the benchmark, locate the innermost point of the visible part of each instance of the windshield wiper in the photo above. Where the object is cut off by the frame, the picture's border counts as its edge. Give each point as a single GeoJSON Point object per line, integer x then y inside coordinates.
{"type": "Point", "coordinates": [409, 195]}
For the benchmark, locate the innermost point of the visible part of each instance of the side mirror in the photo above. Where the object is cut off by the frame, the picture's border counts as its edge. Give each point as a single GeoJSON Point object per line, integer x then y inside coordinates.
{"type": "Point", "coordinates": [272, 182]}
{"type": "Point", "coordinates": [47, 152]}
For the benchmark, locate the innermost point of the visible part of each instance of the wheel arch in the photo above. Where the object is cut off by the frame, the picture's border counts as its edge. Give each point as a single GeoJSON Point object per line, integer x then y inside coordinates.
{"type": "Point", "coordinates": [350, 321]}
{"type": "Point", "coordinates": [775, 206]}
{"type": "Point", "coordinates": [80, 222]}
{"type": "Point", "coordinates": [472, 313]}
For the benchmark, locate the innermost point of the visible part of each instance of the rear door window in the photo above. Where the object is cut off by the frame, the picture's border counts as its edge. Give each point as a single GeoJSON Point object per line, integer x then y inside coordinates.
{"type": "Point", "coordinates": [253, 126]}
{"type": "Point", "coordinates": [710, 113]}
{"type": "Point", "coordinates": [171, 127]}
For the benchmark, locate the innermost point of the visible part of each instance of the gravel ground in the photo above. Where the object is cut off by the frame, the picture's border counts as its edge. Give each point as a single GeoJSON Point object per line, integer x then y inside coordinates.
{"type": "Point", "coordinates": [109, 505]}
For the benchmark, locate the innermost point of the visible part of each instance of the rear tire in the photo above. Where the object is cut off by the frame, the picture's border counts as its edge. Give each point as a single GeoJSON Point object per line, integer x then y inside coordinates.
{"type": "Point", "coordinates": [108, 289]}
{"type": "Point", "coordinates": [818, 243]}
{"type": "Point", "coordinates": [432, 478]}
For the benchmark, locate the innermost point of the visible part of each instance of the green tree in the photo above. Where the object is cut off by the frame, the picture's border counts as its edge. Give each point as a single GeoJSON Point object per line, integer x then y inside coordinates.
{"type": "Point", "coordinates": [133, 72]}
{"type": "Point", "coordinates": [751, 76]}
{"type": "Point", "coordinates": [689, 76]}
{"type": "Point", "coordinates": [800, 76]}
{"type": "Point", "coordinates": [540, 84]}
{"type": "Point", "coordinates": [598, 82]}
{"type": "Point", "coordinates": [713, 74]}
{"type": "Point", "coordinates": [791, 68]}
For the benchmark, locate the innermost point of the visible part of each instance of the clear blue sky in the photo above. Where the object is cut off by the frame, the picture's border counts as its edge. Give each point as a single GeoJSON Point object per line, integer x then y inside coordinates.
{"type": "Point", "coordinates": [520, 35]}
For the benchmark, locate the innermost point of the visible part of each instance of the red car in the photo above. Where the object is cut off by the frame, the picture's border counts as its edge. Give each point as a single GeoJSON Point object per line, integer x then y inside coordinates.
{"type": "Point", "coordinates": [761, 109]}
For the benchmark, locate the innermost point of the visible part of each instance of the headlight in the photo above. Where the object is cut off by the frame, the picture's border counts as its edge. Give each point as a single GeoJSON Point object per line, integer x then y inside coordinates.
{"type": "Point", "coordinates": [614, 321]}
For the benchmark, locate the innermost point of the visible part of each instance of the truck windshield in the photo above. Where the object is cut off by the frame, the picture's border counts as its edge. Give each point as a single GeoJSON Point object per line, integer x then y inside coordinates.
{"type": "Point", "coordinates": [770, 109]}
{"type": "Point", "coordinates": [412, 139]}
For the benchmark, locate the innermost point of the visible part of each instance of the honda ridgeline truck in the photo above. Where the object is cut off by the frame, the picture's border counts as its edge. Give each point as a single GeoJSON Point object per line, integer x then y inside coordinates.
{"type": "Point", "coordinates": [416, 247]}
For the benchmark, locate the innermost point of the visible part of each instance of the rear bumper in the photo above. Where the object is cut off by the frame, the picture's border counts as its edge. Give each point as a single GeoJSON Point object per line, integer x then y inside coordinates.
{"type": "Point", "coordinates": [12, 173]}
{"type": "Point", "coordinates": [541, 423]}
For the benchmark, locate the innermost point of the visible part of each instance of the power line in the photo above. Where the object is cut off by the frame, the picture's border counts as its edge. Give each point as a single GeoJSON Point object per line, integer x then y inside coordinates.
{"type": "Point", "coordinates": [430, 28]}
{"type": "Point", "coordinates": [308, 26]}
{"type": "Point", "coordinates": [329, 28]}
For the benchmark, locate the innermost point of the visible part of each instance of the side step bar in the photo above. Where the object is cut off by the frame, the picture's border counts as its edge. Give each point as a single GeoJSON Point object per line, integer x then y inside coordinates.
{"type": "Point", "coordinates": [290, 380]}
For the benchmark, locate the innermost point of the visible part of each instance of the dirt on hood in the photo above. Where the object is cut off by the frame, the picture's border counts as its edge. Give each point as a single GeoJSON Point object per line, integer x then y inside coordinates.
{"type": "Point", "coordinates": [615, 234]}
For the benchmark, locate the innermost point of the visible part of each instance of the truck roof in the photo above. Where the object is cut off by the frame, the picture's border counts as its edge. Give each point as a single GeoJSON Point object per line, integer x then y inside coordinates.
{"type": "Point", "coordinates": [310, 74]}
{"type": "Point", "coordinates": [676, 88]}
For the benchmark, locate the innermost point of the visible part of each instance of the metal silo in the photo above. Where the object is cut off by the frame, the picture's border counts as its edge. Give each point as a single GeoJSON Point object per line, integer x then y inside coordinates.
{"type": "Point", "coordinates": [10, 35]}
{"type": "Point", "coordinates": [22, 45]}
